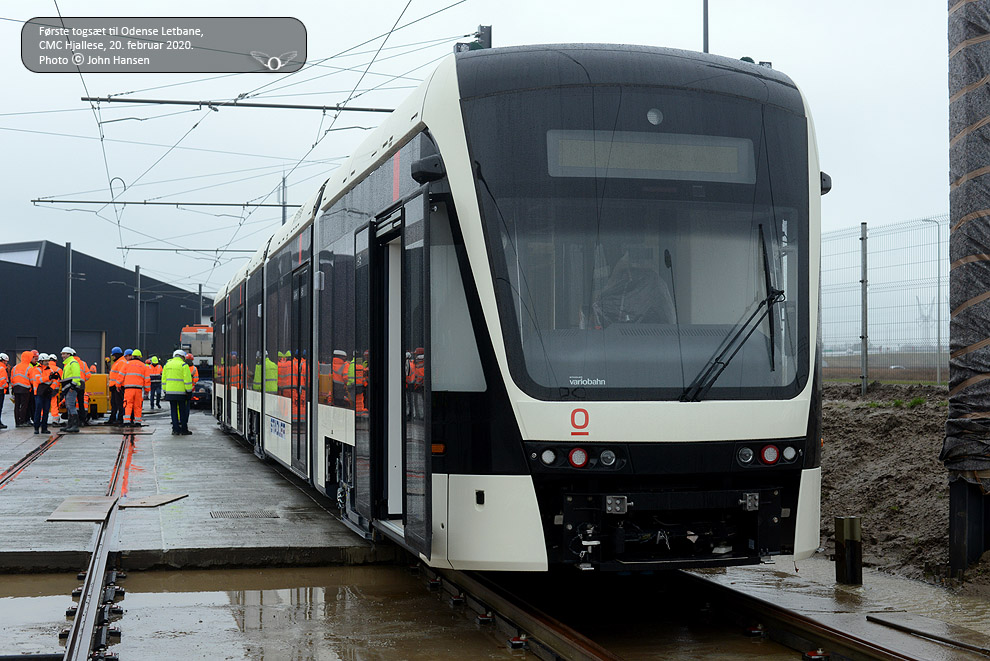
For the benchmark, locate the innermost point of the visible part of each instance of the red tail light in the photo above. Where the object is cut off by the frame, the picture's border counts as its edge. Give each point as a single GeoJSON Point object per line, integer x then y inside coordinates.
{"type": "Point", "coordinates": [770, 454]}
{"type": "Point", "coordinates": [578, 458]}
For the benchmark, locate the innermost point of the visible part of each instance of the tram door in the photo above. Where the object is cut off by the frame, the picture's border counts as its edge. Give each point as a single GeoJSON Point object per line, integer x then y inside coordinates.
{"type": "Point", "coordinates": [302, 331]}
{"type": "Point", "coordinates": [401, 440]}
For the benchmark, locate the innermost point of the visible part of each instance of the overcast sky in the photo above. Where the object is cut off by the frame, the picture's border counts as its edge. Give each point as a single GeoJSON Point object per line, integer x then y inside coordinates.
{"type": "Point", "coordinates": [875, 74]}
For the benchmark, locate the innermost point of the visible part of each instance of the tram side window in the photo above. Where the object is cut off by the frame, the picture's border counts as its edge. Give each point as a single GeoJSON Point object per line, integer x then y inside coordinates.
{"type": "Point", "coordinates": [271, 317]}
{"type": "Point", "coordinates": [284, 322]}
{"type": "Point", "coordinates": [254, 358]}
{"type": "Point", "coordinates": [346, 304]}
{"type": "Point", "coordinates": [326, 317]}
{"type": "Point", "coordinates": [220, 317]}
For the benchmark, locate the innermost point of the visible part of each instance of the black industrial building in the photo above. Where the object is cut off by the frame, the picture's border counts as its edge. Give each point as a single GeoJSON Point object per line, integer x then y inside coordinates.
{"type": "Point", "coordinates": [103, 307]}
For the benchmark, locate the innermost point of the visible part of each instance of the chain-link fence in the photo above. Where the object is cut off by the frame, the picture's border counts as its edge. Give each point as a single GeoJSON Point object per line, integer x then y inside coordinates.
{"type": "Point", "coordinates": [906, 301]}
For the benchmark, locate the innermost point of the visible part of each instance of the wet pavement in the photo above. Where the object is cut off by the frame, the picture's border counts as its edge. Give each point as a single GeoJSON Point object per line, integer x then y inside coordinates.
{"type": "Point", "coordinates": [237, 511]}
{"type": "Point", "coordinates": [809, 587]}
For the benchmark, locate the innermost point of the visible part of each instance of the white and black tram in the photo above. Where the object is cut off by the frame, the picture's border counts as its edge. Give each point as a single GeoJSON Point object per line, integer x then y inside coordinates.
{"type": "Point", "coordinates": [561, 308]}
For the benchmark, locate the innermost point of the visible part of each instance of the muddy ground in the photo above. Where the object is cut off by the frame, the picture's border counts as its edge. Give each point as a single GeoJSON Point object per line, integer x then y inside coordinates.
{"type": "Point", "coordinates": [880, 461]}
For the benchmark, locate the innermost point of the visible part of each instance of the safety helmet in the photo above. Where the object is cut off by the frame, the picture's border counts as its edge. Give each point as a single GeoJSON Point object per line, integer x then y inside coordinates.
{"type": "Point", "coordinates": [128, 352]}
{"type": "Point", "coordinates": [189, 356]}
{"type": "Point", "coordinates": [136, 353]}
{"type": "Point", "coordinates": [68, 350]}
{"type": "Point", "coordinates": [34, 352]}
{"type": "Point", "coordinates": [42, 356]}
{"type": "Point", "coordinates": [154, 360]}
{"type": "Point", "coordinates": [4, 356]}
{"type": "Point", "coordinates": [116, 350]}
{"type": "Point", "coordinates": [178, 353]}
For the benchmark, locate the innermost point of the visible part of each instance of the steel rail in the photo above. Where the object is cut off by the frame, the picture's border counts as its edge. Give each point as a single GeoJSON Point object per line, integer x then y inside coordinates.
{"type": "Point", "coordinates": [816, 632]}
{"type": "Point", "coordinates": [15, 469]}
{"type": "Point", "coordinates": [535, 628]}
{"type": "Point", "coordinates": [79, 646]}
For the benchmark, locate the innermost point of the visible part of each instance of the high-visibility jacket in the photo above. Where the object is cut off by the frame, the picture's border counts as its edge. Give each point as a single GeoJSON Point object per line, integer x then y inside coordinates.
{"type": "Point", "coordinates": [176, 377]}
{"type": "Point", "coordinates": [34, 375]}
{"type": "Point", "coordinates": [50, 376]}
{"type": "Point", "coordinates": [194, 373]}
{"type": "Point", "coordinates": [136, 375]}
{"type": "Point", "coordinates": [20, 376]}
{"type": "Point", "coordinates": [116, 379]}
{"type": "Point", "coordinates": [71, 372]}
{"type": "Point", "coordinates": [4, 383]}
{"type": "Point", "coordinates": [83, 369]}
{"type": "Point", "coordinates": [271, 375]}
{"type": "Point", "coordinates": [284, 374]}
{"type": "Point", "coordinates": [155, 374]}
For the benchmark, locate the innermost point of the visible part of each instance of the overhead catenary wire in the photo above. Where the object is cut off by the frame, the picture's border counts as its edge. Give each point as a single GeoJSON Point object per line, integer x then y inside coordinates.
{"type": "Point", "coordinates": [235, 103]}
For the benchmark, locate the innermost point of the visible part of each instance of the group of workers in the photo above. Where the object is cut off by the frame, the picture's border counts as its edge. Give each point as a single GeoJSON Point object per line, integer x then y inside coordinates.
{"type": "Point", "coordinates": [38, 384]}
{"type": "Point", "coordinates": [131, 378]}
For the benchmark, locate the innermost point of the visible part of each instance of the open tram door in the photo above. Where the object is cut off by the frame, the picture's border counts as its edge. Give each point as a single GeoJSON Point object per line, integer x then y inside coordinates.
{"type": "Point", "coordinates": [399, 383]}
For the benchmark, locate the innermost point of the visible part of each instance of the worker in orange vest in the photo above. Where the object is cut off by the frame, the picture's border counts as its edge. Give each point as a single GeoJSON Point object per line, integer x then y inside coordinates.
{"type": "Point", "coordinates": [20, 385]}
{"type": "Point", "coordinates": [136, 381]}
{"type": "Point", "coordinates": [155, 372]}
{"type": "Point", "coordinates": [192, 369]}
{"type": "Point", "coordinates": [361, 386]}
{"type": "Point", "coordinates": [116, 383]}
{"type": "Point", "coordinates": [341, 394]}
{"type": "Point", "coordinates": [4, 384]}
{"type": "Point", "coordinates": [47, 382]}
{"type": "Point", "coordinates": [56, 372]}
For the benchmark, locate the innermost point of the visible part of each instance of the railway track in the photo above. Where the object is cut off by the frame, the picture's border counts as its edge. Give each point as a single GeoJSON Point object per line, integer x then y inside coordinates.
{"type": "Point", "coordinates": [18, 467]}
{"type": "Point", "coordinates": [551, 634]}
{"type": "Point", "coordinates": [90, 635]}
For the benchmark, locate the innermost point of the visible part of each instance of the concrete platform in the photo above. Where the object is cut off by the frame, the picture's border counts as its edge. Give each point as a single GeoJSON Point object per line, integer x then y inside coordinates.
{"type": "Point", "coordinates": [238, 513]}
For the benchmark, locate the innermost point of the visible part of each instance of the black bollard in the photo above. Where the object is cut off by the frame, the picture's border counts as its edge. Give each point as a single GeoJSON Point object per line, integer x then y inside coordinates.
{"type": "Point", "coordinates": [848, 550]}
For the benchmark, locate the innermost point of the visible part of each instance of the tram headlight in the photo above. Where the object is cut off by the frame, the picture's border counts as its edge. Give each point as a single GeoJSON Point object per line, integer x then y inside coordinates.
{"type": "Point", "coordinates": [548, 457]}
{"type": "Point", "coordinates": [578, 457]}
{"type": "Point", "coordinates": [607, 457]}
{"type": "Point", "coordinates": [744, 455]}
{"type": "Point", "coordinates": [789, 453]}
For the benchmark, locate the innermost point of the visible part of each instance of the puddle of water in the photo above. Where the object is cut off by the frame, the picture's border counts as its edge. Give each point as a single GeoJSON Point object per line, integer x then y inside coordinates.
{"type": "Point", "coordinates": [317, 614]}
{"type": "Point", "coordinates": [32, 612]}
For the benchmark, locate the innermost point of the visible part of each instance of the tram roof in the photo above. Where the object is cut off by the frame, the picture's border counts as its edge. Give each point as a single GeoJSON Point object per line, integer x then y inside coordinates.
{"type": "Point", "coordinates": [493, 71]}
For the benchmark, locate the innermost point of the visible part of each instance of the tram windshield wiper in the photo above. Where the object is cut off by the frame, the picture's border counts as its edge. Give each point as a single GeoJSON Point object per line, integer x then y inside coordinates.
{"type": "Point", "coordinates": [713, 369]}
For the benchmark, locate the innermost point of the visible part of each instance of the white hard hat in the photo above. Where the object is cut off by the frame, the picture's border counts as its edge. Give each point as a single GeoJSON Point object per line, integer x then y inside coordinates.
{"type": "Point", "coordinates": [68, 350]}
{"type": "Point", "coordinates": [4, 356]}
{"type": "Point", "coordinates": [178, 353]}
{"type": "Point", "coordinates": [43, 356]}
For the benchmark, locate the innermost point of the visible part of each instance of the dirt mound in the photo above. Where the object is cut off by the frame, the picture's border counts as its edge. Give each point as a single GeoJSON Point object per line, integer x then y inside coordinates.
{"type": "Point", "coordinates": [880, 461]}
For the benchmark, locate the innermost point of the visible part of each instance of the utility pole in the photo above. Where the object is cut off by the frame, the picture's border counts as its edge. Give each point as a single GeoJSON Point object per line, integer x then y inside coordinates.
{"type": "Point", "coordinates": [68, 294]}
{"type": "Point", "coordinates": [137, 304]}
{"type": "Point", "coordinates": [199, 319]}
{"type": "Point", "coordinates": [705, 11]}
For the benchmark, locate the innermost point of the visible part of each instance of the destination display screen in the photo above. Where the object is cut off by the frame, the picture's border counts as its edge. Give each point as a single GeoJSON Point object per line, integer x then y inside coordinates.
{"type": "Point", "coordinates": [637, 155]}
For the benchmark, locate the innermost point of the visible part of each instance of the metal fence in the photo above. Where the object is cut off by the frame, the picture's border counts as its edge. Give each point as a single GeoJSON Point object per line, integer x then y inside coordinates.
{"type": "Point", "coordinates": [905, 301]}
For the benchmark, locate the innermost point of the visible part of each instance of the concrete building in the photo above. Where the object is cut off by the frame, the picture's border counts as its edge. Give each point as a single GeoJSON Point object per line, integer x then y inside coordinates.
{"type": "Point", "coordinates": [104, 305]}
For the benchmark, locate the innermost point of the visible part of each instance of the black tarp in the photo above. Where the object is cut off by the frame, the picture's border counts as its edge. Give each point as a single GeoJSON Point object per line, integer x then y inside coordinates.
{"type": "Point", "coordinates": [967, 431]}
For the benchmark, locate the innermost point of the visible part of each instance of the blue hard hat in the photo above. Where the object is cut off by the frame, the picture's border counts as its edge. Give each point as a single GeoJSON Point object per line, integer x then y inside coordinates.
{"type": "Point", "coordinates": [116, 350]}
{"type": "Point", "coordinates": [129, 352]}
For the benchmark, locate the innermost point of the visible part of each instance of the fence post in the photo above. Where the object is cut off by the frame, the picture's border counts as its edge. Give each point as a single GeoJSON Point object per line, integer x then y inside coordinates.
{"type": "Point", "coordinates": [864, 344]}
